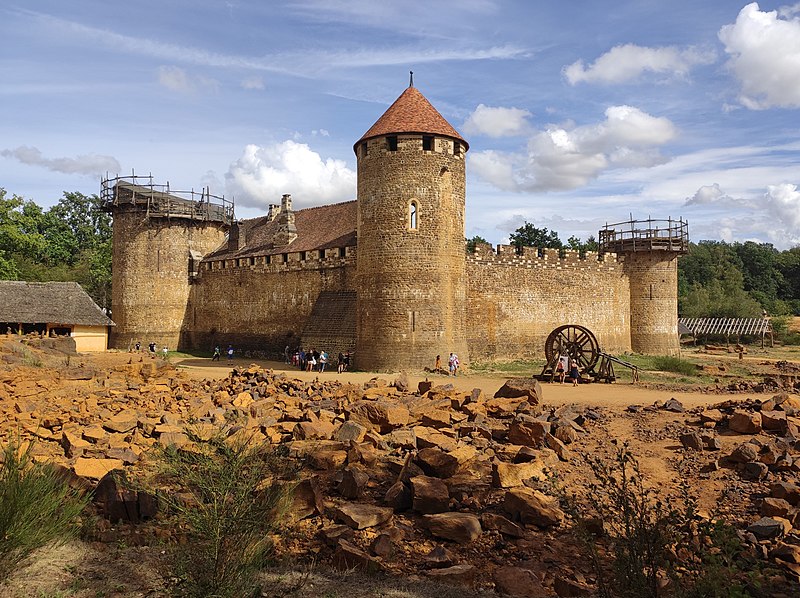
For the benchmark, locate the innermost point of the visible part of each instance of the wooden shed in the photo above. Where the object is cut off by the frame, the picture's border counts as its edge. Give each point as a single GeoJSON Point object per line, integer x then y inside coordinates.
{"type": "Point", "coordinates": [53, 308]}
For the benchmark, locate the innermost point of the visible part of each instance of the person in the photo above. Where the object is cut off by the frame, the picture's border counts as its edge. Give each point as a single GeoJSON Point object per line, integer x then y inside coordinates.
{"type": "Point", "coordinates": [346, 361]}
{"type": "Point", "coordinates": [438, 365]}
{"type": "Point", "coordinates": [574, 374]}
{"type": "Point", "coordinates": [456, 364]}
{"type": "Point", "coordinates": [301, 359]}
{"type": "Point", "coordinates": [340, 363]}
{"type": "Point", "coordinates": [165, 350]}
{"type": "Point", "coordinates": [286, 355]}
{"type": "Point", "coordinates": [138, 346]}
{"type": "Point", "coordinates": [152, 347]}
{"type": "Point", "coordinates": [323, 361]}
{"type": "Point", "coordinates": [230, 352]}
{"type": "Point", "coordinates": [312, 361]}
{"type": "Point", "coordinates": [561, 368]}
{"type": "Point", "coordinates": [452, 363]}
{"type": "Point", "coordinates": [215, 356]}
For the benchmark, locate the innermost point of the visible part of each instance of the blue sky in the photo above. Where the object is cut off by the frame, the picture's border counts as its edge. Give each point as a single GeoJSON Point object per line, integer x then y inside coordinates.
{"type": "Point", "coordinates": [578, 113]}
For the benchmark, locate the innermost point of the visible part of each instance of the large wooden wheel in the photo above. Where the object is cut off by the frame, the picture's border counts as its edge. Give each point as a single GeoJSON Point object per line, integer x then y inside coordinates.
{"type": "Point", "coordinates": [577, 342]}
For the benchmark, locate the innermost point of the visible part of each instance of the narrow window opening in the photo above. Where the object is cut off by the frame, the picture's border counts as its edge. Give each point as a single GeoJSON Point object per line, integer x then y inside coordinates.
{"type": "Point", "coordinates": [302, 256]}
{"type": "Point", "coordinates": [285, 258]}
{"type": "Point", "coordinates": [427, 143]}
{"type": "Point", "coordinates": [268, 259]}
{"type": "Point", "coordinates": [342, 252]}
{"type": "Point", "coordinates": [364, 149]}
{"type": "Point", "coordinates": [412, 216]}
{"type": "Point", "coordinates": [391, 143]}
{"type": "Point", "coordinates": [651, 291]}
{"type": "Point", "coordinates": [252, 261]}
{"type": "Point", "coordinates": [456, 148]}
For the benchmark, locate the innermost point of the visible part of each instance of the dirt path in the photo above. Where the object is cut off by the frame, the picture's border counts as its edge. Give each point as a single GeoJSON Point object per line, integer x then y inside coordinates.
{"type": "Point", "coordinates": [613, 396]}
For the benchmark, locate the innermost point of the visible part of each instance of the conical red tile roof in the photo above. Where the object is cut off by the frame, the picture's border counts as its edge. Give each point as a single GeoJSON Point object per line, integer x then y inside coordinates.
{"type": "Point", "coordinates": [411, 113]}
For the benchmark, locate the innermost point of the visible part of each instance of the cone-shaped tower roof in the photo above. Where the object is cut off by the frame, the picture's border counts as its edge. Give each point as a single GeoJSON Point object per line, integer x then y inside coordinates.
{"type": "Point", "coordinates": [411, 113]}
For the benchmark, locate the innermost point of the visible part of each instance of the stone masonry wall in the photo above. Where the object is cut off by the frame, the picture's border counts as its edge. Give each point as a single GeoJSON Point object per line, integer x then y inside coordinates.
{"type": "Point", "coordinates": [262, 303]}
{"type": "Point", "coordinates": [150, 277]}
{"type": "Point", "coordinates": [654, 301]}
{"type": "Point", "coordinates": [514, 302]}
{"type": "Point", "coordinates": [411, 282]}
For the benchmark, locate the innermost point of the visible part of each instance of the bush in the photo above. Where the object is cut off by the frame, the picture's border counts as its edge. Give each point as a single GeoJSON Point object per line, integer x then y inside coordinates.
{"type": "Point", "coordinates": [665, 363]}
{"type": "Point", "coordinates": [228, 497]}
{"type": "Point", "coordinates": [37, 507]}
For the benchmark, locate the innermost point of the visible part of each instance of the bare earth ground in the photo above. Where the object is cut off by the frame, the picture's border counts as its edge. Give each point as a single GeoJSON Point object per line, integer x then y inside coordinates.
{"type": "Point", "coordinates": [95, 570]}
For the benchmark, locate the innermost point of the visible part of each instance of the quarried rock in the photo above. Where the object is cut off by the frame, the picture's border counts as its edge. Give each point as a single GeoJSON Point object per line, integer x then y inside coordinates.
{"type": "Point", "coordinates": [353, 481]}
{"type": "Point", "coordinates": [516, 581]}
{"type": "Point", "coordinates": [383, 415]}
{"type": "Point", "coordinates": [436, 463]}
{"type": "Point", "coordinates": [398, 496]}
{"type": "Point", "coordinates": [457, 527]}
{"type": "Point", "coordinates": [521, 387]}
{"type": "Point", "coordinates": [350, 430]}
{"type": "Point", "coordinates": [532, 506]}
{"type": "Point", "coordinates": [692, 441]}
{"type": "Point", "coordinates": [744, 453]}
{"type": "Point", "coordinates": [349, 557]}
{"type": "Point", "coordinates": [527, 430]}
{"type": "Point", "coordinates": [95, 468]}
{"type": "Point", "coordinates": [463, 575]}
{"type": "Point", "coordinates": [307, 499]}
{"type": "Point", "coordinates": [430, 495]}
{"type": "Point", "coordinates": [766, 528]}
{"type": "Point", "coordinates": [511, 475]}
{"type": "Point", "coordinates": [745, 422]}
{"type": "Point", "coordinates": [499, 523]}
{"type": "Point", "coordinates": [361, 516]}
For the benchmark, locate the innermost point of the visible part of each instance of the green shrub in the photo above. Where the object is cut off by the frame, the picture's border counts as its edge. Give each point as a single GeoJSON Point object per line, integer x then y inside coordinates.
{"type": "Point", "coordinates": [666, 363]}
{"type": "Point", "coordinates": [37, 507]}
{"type": "Point", "coordinates": [228, 497]}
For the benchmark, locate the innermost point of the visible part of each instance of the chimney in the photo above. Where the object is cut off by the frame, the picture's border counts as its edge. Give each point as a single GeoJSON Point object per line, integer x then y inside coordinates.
{"type": "Point", "coordinates": [287, 232]}
{"type": "Point", "coordinates": [273, 211]}
{"type": "Point", "coordinates": [236, 237]}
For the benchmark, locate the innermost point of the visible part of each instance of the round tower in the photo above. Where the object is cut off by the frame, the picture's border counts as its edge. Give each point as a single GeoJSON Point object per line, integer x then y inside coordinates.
{"type": "Point", "coordinates": [411, 258]}
{"type": "Point", "coordinates": [159, 239]}
{"type": "Point", "coordinates": [649, 251]}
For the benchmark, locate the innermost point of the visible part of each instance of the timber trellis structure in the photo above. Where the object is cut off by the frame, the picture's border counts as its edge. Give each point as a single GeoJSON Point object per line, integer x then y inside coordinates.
{"type": "Point", "coordinates": [645, 235]}
{"type": "Point", "coordinates": [728, 327]}
{"type": "Point", "coordinates": [161, 201]}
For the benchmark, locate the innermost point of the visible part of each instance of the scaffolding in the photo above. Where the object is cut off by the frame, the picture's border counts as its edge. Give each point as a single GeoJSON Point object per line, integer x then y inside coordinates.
{"type": "Point", "coordinates": [728, 327]}
{"type": "Point", "coordinates": [645, 235]}
{"type": "Point", "coordinates": [159, 201]}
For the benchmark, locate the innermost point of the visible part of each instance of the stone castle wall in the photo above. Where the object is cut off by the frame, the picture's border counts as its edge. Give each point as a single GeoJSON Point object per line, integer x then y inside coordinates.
{"type": "Point", "coordinates": [150, 276]}
{"type": "Point", "coordinates": [515, 301]}
{"type": "Point", "coordinates": [654, 301]}
{"type": "Point", "coordinates": [411, 281]}
{"type": "Point", "coordinates": [262, 303]}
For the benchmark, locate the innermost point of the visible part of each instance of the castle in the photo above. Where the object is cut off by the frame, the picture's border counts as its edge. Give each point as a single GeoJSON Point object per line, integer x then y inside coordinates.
{"type": "Point", "coordinates": [386, 276]}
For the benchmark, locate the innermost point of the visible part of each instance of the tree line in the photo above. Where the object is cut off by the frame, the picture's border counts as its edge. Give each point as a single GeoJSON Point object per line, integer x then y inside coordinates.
{"type": "Point", "coordinates": [71, 241]}
{"type": "Point", "coordinates": [715, 278]}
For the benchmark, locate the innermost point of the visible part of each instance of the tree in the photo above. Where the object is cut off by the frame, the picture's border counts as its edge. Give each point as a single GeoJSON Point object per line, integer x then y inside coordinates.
{"type": "Point", "coordinates": [576, 244]}
{"type": "Point", "coordinates": [474, 242]}
{"type": "Point", "coordinates": [530, 236]}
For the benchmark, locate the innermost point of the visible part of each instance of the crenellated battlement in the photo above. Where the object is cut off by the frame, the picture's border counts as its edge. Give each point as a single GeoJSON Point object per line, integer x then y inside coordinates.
{"type": "Point", "coordinates": [543, 258]}
{"type": "Point", "coordinates": [333, 257]}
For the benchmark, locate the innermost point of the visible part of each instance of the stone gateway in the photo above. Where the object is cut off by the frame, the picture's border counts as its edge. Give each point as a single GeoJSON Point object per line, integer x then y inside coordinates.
{"type": "Point", "coordinates": [386, 277]}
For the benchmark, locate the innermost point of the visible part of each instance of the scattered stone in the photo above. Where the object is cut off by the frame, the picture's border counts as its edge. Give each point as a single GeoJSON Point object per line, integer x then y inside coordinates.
{"type": "Point", "coordinates": [745, 422]}
{"type": "Point", "coordinates": [528, 388]}
{"type": "Point", "coordinates": [430, 495]}
{"type": "Point", "coordinates": [462, 575]}
{"type": "Point", "coordinates": [744, 453]}
{"type": "Point", "coordinates": [516, 581]}
{"type": "Point", "coordinates": [692, 441]}
{"type": "Point", "coordinates": [457, 527]}
{"type": "Point", "coordinates": [362, 516]}
{"type": "Point", "coordinates": [674, 405]}
{"type": "Point", "coordinates": [532, 506]}
{"type": "Point", "coordinates": [436, 463]}
{"type": "Point", "coordinates": [766, 528]}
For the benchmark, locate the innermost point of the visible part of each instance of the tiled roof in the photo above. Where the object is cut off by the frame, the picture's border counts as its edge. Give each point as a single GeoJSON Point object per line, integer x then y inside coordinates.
{"type": "Point", "coordinates": [323, 227]}
{"type": "Point", "coordinates": [411, 113]}
{"type": "Point", "coordinates": [49, 303]}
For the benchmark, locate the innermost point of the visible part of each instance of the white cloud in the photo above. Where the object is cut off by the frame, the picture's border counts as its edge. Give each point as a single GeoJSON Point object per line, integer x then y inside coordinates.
{"type": "Point", "coordinates": [263, 173]}
{"type": "Point", "coordinates": [629, 61]}
{"type": "Point", "coordinates": [567, 157]}
{"type": "Point", "coordinates": [176, 79]}
{"type": "Point", "coordinates": [320, 132]}
{"type": "Point", "coordinates": [254, 82]}
{"type": "Point", "coordinates": [497, 121]}
{"type": "Point", "coordinates": [764, 49]}
{"type": "Point", "coordinates": [706, 194]}
{"type": "Point", "coordinates": [783, 204]}
{"type": "Point", "coordinates": [91, 164]}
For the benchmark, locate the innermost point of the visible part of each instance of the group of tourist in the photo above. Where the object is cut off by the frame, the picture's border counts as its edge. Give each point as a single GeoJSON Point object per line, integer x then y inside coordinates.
{"type": "Point", "coordinates": [453, 364]}
{"type": "Point", "coordinates": [152, 349]}
{"type": "Point", "coordinates": [217, 353]}
{"type": "Point", "coordinates": [567, 368]}
{"type": "Point", "coordinates": [315, 361]}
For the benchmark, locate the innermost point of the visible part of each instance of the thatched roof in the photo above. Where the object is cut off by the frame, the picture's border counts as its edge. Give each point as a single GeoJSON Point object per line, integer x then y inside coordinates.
{"type": "Point", "coordinates": [49, 303]}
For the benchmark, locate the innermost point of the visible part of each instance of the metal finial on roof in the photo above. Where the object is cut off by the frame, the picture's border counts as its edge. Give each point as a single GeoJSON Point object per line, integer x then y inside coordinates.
{"type": "Point", "coordinates": [411, 79]}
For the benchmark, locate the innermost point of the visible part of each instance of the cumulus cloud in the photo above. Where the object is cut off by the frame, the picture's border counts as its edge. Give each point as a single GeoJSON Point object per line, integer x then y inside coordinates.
{"type": "Point", "coordinates": [497, 121]}
{"type": "Point", "coordinates": [263, 173]}
{"type": "Point", "coordinates": [567, 157]}
{"type": "Point", "coordinates": [176, 79]}
{"type": "Point", "coordinates": [764, 50]}
{"type": "Point", "coordinates": [629, 61]}
{"type": "Point", "coordinates": [706, 194]}
{"type": "Point", "coordinates": [783, 203]}
{"type": "Point", "coordinates": [87, 164]}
